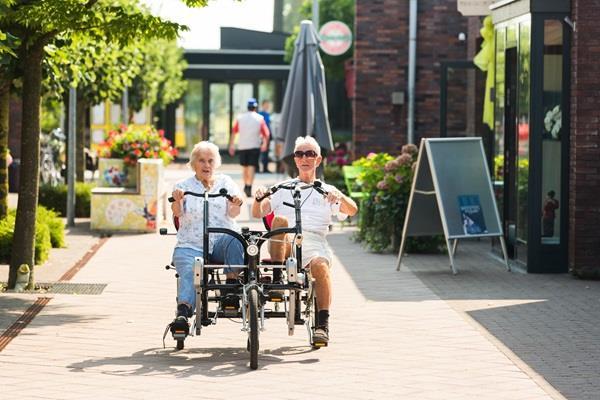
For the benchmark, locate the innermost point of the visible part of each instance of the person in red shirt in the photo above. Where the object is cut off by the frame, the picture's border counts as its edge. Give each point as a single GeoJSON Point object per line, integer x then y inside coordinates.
{"type": "Point", "coordinates": [549, 214]}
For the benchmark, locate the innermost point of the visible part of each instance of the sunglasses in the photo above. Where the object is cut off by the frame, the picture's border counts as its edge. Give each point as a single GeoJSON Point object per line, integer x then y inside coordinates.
{"type": "Point", "coordinates": [307, 154]}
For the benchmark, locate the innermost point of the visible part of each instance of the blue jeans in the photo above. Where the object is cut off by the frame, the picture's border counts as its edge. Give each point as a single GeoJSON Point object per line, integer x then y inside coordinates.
{"type": "Point", "coordinates": [227, 250]}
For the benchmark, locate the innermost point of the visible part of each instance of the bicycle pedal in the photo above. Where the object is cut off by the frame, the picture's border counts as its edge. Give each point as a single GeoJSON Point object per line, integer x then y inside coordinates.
{"type": "Point", "coordinates": [276, 296]}
{"type": "Point", "coordinates": [320, 344]}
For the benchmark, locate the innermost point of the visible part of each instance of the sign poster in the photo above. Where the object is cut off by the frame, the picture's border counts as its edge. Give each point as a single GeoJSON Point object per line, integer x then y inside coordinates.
{"type": "Point", "coordinates": [474, 7]}
{"type": "Point", "coordinates": [471, 214]}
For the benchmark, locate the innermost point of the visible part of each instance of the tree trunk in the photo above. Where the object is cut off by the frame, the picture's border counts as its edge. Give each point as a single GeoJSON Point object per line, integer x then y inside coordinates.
{"type": "Point", "coordinates": [4, 118]}
{"type": "Point", "coordinates": [24, 236]}
{"type": "Point", "coordinates": [80, 138]}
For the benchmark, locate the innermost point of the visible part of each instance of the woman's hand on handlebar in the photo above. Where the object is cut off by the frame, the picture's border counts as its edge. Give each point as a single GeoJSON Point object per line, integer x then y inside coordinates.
{"type": "Point", "coordinates": [236, 200]}
{"type": "Point", "coordinates": [177, 194]}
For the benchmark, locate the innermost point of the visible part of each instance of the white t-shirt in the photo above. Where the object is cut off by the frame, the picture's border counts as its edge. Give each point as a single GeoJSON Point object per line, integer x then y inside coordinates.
{"type": "Point", "coordinates": [190, 233]}
{"type": "Point", "coordinates": [249, 127]}
{"type": "Point", "coordinates": [316, 211]}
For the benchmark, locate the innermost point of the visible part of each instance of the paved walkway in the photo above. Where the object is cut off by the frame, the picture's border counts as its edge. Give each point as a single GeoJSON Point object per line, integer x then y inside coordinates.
{"type": "Point", "coordinates": [420, 333]}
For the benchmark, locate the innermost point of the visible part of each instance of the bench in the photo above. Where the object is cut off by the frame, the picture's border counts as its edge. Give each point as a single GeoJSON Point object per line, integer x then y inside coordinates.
{"type": "Point", "coordinates": [131, 209]}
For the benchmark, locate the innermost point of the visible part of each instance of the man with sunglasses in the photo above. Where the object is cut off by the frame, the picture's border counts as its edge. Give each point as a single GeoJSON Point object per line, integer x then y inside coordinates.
{"type": "Point", "coordinates": [316, 218]}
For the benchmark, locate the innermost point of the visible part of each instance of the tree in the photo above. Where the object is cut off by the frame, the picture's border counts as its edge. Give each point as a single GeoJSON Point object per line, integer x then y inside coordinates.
{"type": "Point", "coordinates": [329, 10]}
{"type": "Point", "coordinates": [38, 24]}
{"type": "Point", "coordinates": [98, 69]}
{"type": "Point", "coordinates": [160, 80]}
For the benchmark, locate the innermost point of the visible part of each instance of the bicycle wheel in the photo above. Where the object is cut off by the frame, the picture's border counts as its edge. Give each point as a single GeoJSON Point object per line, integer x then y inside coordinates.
{"type": "Point", "coordinates": [253, 319]}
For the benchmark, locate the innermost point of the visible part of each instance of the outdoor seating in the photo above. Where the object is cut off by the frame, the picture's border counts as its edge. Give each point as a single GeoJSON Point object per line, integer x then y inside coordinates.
{"type": "Point", "coordinates": [352, 185]}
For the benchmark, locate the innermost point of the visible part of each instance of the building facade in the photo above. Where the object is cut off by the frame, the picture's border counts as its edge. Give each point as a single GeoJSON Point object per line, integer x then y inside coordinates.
{"type": "Point", "coordinates": [544, 148]}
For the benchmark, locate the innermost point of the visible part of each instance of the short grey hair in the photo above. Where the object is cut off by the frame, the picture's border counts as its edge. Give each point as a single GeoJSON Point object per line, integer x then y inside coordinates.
{"type": "Point", "coordinates": [309, 140]}
{"type": "Point", "coordinates": [201, 146]}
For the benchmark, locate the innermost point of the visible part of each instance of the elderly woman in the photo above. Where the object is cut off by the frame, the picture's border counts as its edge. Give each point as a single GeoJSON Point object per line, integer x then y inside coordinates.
{"type": "Point", "coordinates": [316, 218]}
{"type": "Point", "coordinates": [204, 160]}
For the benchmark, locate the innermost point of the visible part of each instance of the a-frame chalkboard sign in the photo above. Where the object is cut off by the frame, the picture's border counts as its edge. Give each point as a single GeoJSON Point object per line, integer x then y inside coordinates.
{"type": "Point", "coordinates": [452, 195]}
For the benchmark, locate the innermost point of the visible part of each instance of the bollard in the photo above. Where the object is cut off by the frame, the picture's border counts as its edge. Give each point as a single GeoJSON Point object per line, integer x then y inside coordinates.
{"type": "Point", "coordinates": [22, 278]}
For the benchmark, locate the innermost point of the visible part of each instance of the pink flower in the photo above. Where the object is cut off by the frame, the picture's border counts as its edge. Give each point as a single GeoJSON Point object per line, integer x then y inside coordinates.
{"type": "Point", "coordinates": [409, 149]}
{"type": "Point", "coordinates": [382, 185]}
{"type": "Point", "coordinates": [404, 159]}
{"type": "Point", "coordinates": [371, 156]}
{"type": "Point", "coordinates": [399, 178]}
{"type": "Point", "coordinates": [391, 165]}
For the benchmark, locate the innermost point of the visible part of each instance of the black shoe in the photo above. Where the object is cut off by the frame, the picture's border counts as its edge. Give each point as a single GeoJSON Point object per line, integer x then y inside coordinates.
{"type": "Point", "coordinates": [321, 336]}
{"type": "Point", "coordinates": [248, 191]}
{"type": "Point", "coordinates": [180, 328]}
{"type": "Point", "coordinates": [230, 303]}
{"type": "Point", "coordinates": [183, 310]}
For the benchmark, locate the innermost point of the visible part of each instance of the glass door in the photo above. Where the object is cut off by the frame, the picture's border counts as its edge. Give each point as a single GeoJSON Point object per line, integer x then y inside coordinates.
{"type": "Point", "coordinates": [219, 114]}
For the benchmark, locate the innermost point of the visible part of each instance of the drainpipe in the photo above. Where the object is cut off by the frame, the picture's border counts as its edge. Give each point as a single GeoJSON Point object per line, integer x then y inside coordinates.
{"type": "Point", "coordinates": [412, 67]}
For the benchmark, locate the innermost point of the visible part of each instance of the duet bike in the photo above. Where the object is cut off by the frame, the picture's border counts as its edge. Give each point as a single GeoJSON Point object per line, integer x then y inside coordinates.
{"type": "Point", "coordinates": [267, 289]}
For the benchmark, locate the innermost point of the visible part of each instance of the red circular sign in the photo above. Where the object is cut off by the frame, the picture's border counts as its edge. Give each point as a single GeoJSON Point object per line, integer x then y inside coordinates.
{"type": "Point", "coordinates": [336, 38]}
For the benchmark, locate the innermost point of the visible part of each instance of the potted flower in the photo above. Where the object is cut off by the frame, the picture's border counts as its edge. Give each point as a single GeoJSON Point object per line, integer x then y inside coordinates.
{"type": "Point", "coordinates": [124, 146]}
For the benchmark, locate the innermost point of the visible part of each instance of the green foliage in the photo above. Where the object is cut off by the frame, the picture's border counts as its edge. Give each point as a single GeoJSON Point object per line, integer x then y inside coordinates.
{"type": "Point", "coordinates": [55, 226]}
{"type": "Point", "coordinates": [388, 181]}
{"type": "Point", "coordinates": [334, 176]}
{"type": "Point", "coordinates": [55, 198]}
{"type": "Point", "coordinates": [329, 10]}
{"type": "Point", "coordinates": [130, 143]}
{"type": "Point", "coordinates": [49, 232]}
{"type": "Point", "coordinates": [160, 79]}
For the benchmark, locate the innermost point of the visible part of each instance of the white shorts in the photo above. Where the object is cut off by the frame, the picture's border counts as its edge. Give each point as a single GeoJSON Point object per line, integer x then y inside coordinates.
{"type": "Point", "coordinates": [313, 246]}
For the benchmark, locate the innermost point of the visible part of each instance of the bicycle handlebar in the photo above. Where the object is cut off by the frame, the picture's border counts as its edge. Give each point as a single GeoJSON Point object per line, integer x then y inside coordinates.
{"type": "Point", "coordinates": [222, 193]}
{"type": "Point", "coordinates": [317, 185]}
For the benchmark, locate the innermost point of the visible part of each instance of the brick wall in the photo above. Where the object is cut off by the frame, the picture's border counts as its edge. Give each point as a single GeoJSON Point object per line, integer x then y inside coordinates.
{"type": "Point", "coordinates": [381, 60]}
{"type": "Point", "coordinates": [584, 207]}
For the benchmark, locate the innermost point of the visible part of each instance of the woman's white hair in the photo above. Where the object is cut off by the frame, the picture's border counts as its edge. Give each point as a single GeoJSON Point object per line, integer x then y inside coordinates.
{"type": "Point", "coordinates": [202, 146]}
{"type": "Point", "coordinates": [309, 140]}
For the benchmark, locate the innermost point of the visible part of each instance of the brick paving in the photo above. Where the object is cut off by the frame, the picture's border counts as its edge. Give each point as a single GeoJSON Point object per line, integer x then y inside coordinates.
{"type": "Point", "coordinates": [420, 333]}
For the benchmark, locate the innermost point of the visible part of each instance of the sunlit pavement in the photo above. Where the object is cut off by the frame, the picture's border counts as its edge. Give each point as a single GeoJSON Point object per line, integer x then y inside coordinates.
{"type": "Point", "coordinates": [420, 333]}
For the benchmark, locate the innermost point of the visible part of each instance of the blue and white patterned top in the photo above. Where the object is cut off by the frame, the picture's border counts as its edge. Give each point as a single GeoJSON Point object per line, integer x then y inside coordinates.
{"type": "Point", "coordinates": [190, 233]}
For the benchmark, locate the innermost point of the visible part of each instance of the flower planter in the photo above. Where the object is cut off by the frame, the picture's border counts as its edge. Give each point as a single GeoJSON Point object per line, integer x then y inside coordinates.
{"type": "Point", "coordinates": [113, 172]}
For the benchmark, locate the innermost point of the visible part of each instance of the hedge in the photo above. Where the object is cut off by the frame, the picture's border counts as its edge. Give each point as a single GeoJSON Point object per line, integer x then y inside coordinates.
{"type": "Point", "coordinates": [55, 198]}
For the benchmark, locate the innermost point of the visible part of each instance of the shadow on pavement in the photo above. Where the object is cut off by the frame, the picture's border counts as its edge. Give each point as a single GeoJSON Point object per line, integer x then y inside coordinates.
{"type": "Point", "coordinates": [215, 362]}
{"type": "Point", "coordinates": [549, 321]}
{"type": "Point", "coordinates": [375, 274]}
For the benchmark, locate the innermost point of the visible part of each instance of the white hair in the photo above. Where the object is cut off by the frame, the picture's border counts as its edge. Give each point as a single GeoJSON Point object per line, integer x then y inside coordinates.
{"type": "Point", "coordinates": [202, 146]}
{"type": "Point", "coordinates": [309, 140]}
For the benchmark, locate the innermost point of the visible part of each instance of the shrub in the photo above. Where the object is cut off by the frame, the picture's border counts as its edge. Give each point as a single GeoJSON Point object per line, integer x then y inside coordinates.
{"type": "Point", "coordinates": [55, 198]}
{"type": "Point", "coordinates": [334, 176]}
{"type": "Point", "coordinates": [388, 180]}
{"type": "Point", "coordinates": [55, 225]}
{"type": "Point", "coordinates": [48, 224]}
{"type": "Point", "coordinates": [130, 143]}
